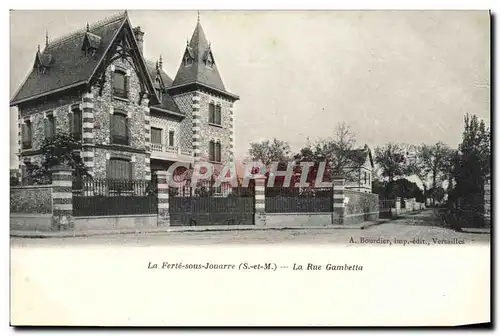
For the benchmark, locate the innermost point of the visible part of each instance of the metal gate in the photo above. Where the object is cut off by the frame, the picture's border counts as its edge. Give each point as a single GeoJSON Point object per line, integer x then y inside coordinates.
{"type": "Point", "coordinates": [209, 205]}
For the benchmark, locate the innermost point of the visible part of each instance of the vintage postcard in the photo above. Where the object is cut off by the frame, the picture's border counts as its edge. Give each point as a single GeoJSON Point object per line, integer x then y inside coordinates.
{"type": "Point", "coordinates": [250, 168]}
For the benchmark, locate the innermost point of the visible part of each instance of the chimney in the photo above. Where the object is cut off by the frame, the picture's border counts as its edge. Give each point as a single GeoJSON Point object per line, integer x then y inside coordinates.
{"type": "Point", "coordinates": [139, 37]}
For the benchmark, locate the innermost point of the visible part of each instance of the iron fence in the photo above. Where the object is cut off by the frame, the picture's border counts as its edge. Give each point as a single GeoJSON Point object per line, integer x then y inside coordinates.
{"type": "Point", "coordinates": [105, 197]}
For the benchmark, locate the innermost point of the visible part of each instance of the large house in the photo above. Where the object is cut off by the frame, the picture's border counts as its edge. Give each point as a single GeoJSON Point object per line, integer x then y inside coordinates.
{"type": "Point", "coordinates": [131, 117]}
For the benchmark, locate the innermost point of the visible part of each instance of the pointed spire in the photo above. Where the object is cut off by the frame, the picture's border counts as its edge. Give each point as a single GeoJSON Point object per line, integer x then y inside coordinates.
{"type": "Point", "coordinates": [198, 71]}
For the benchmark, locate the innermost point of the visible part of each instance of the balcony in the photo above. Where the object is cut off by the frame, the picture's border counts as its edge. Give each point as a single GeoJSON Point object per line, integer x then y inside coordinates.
{"type": "Point", "coordinates": [170, 153]}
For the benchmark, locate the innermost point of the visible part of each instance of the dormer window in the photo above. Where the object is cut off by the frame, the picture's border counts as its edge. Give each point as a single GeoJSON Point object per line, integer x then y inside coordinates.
{"type": "Point", "coordinates": [187, 60]}
{"type": "Point", "coordinates": [91, 44]}
{"type": "Point", "coordinates": [209, 63]}
{"type": "Point", "coordinates": [43, 62]}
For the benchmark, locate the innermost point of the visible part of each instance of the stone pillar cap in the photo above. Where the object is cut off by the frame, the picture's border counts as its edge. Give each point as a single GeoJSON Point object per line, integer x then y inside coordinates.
{"type": "Point", "coordinates": [61, 168]}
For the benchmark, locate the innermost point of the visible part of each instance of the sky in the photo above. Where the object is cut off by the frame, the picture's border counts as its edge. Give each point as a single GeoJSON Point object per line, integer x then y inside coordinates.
{"type": "Point", "coordinates": [392, 76]}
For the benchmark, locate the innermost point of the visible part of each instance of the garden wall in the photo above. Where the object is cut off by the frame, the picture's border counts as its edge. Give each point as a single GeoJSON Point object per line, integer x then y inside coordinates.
{"type": "Point", "coordinates": [360, 207]}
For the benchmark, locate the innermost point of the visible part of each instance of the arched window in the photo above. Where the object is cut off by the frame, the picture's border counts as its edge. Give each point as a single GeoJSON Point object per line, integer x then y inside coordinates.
{"type": "Point", "coordinates": [120, 84]}
{"type": "Point", "coordinates": [76, 123]}
{"type": "Point", "coordinates": [119, 128]}
{"type": "Point", "coordinates": [26, 134]}
{"type": "Point", "coordinates": [50, 126]}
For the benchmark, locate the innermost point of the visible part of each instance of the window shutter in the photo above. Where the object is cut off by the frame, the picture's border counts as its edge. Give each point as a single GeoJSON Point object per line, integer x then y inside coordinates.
{"type": "Point", "coordinates": [70, 123]}
{"type": "Point", "coordinates": [126, 85]}
{"type": "Point", "coordinates": [132, 170]}
{"type": "Point", "coordinates": [108, 169]}
{"type": "Point", "coordinates": [46, 127]}
{"type": "Point", "coordinates": [128, 133]}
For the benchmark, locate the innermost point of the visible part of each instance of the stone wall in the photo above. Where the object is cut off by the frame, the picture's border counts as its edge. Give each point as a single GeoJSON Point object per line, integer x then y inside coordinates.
{"type": "Point", "coordinates": [104, 106]}
{"type": "Point", "coordinates": [184, 102]}
{"type": "Point", "coordinates": [360, 206]}
{"type": "Point", "coordinates": [210, 132]}
{"type": "Point", "coordinates": [31, 199]}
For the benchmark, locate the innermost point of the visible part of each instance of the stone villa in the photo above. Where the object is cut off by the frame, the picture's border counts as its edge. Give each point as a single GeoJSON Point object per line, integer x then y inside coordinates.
{"type": "Point", "coordinates": [131, 117]}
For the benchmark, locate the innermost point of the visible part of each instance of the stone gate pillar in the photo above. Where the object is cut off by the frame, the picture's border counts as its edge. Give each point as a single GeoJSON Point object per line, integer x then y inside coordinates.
{"type": "Point", "coordinates": [62, 198]}
{"type": "Point", "coordinates": [162, 178]}
{"type": "Point", "coordinates": [260, 201]}
{"type": "Point", "coordinates": [338, 201]}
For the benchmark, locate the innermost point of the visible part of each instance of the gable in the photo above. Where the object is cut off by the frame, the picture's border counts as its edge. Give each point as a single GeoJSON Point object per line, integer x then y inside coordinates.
{"type": "Point", "coordinates": [71, 67]}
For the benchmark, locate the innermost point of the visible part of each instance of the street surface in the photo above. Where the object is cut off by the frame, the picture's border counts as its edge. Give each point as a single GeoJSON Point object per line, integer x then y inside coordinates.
{"type": "Point", "coordinates": [421, 226]}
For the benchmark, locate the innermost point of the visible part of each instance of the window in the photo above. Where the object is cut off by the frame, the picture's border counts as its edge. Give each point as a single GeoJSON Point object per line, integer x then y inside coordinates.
{"type": "Point", "coordinates": [211, 113]}
{"type": "Point", "coordinates": [26, 135]}
{"type": "Point", "coordinates": [366, 178]}
{"type": "Point", "coordinates": [171, 138]}
{"type": "Point", "coordinates": [187, 60]}
{"type": "Point", "coordinates": [214, 114]}
{"type": "Point", "coordinates": [120, 84]}
{"type": "Point", "coordinates": [120, 169]}
{"type": "Point", "coordinates": [119, 129]}
{"type": "Point", "coordinates": [218, 115]}
{"type": "Point", "coordinates": [214, 151]}
{"type": "Point", "coordinates": [50, 127]}
{"type": "Point", "coordinates": [76, 123]}
{"type": "Point", "coordinates": [156, 135]}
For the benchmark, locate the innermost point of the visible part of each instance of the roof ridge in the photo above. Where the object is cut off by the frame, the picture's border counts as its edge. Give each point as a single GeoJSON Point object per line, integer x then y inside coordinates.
{"type": "Point", "coordinates": [107, 20]}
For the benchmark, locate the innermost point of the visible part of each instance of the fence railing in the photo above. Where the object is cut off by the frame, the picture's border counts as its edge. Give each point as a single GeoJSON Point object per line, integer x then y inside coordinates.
{"type": "Point", "coordinates": [208, 189]}
{"type": "Point", "coordinates": [111, 187]}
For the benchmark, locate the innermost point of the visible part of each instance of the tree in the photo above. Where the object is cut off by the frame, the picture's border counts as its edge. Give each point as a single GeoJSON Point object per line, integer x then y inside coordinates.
{"type": "Point", "coordinates": [392, 161]}
{"type": "Point", "coordinates": [268, 152]}
{"type": "Point", "coordinates": [473, 163]}
{"type": "Point", "coordinates": [338, 152]}
{"type": "Point", "coordinates": [433, 161]}
{"type": "Point", "coordinates": [61, 149]}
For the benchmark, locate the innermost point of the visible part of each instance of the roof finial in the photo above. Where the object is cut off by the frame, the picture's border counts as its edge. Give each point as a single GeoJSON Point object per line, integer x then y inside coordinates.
{"type": "Point", "coordinates": [198, 16]}
{"type": "Point", "coordinates": [38, 48]}
{"type": "Point", "coordinates": [156, 65]}
{"type": "Point", "coordinates": [46, 38]}
{"type": "Point", "coordinates": [187, 41]}
{"type": "Point", "coordinates": [88, 28]}
{"type": "Point", "coordinates": [160, 62]}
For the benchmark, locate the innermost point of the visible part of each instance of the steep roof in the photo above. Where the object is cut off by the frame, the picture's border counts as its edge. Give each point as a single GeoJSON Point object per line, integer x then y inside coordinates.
{"type": "Point", "coordinates": [69, 65]}
{"type": "Point", "coordinates": [199, 50]}
{"type": "Point", "coordinates": [167, 102]}
{"type": "Point", "coordinates": [359, 156]}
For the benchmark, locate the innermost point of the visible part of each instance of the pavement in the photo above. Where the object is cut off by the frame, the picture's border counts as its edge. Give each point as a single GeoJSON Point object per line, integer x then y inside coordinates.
{"type": "Point", "coordinates": [90, 233]}
{"type": "Point", "coordinates": [412, 228]}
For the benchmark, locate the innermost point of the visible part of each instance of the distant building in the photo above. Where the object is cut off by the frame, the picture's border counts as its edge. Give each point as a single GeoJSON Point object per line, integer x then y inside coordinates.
{"type": "Point", "coordinates": [361, 178]}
